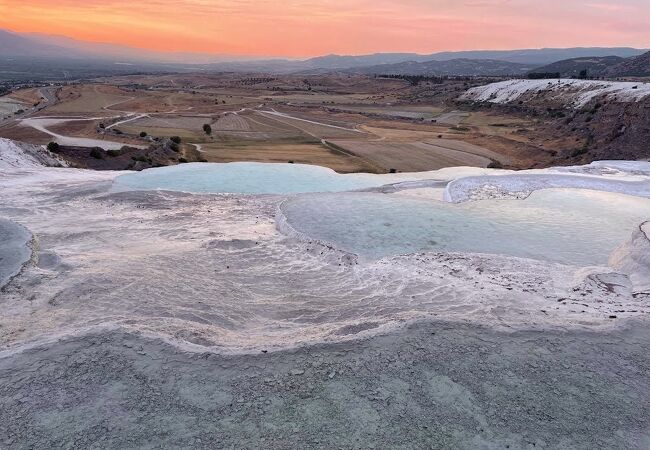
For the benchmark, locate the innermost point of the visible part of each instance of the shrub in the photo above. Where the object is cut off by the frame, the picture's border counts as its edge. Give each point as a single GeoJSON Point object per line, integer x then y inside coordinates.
{"type": "Point", "coordinates": [143, 134]}
{"type": "Point", "coordinates": [113, 153]}
{"type": "Point", "coordinates": [54, 147]}
{"type": "Point", "coordinates": [175, 139]}
{"type": "Point", "coordinates": [579, 151]}
{"type": "Point", "coordinates": [182, 160]}
{"type": "Point", "coordinates": [97, 153]}
{"type": "Point", "coordinates": [174, 146]}
{"type": "Point", "coordinates": [207, 129]}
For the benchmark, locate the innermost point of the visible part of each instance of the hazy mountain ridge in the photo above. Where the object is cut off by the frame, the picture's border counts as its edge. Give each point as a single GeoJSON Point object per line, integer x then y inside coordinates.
{"type": "Point", "coordinates": [542, 56]}
{"type": "Point", "coordinates": [12, 44]}
{"type": "Point", "coordinates": [530, 57]}
{"type": "Point", "coordinates": [117, 51]}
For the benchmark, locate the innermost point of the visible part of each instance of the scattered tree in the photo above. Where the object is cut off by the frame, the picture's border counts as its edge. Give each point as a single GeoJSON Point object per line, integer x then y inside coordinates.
{"type": "Point", "coordinates": [415, 79]}
{"type": "Point", "coordinates": [143, 134]}
{"type": "Point", "coordinates": [543, 75]}
{"type": "Point", "coordinates": [54, 147]}
{"type": "Point", "coordinates": [175, 139]}
{"type": "Point", "coordinates": [207, 129]}
{"type": "Point", "coordinates": [97, 153]}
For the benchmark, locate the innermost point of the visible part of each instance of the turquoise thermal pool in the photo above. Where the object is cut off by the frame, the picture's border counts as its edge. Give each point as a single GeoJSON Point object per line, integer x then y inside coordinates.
{"type": "Point", "coordinates": [247, 178]}
{"type": "Point", "coordinates": [568, 226]}
{"type": "Point", "coordinates": [574, 227]}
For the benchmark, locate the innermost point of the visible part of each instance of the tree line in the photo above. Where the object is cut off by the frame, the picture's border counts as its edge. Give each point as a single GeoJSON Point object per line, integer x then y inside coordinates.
{"type": "Point", "coordinates": [416, 79]}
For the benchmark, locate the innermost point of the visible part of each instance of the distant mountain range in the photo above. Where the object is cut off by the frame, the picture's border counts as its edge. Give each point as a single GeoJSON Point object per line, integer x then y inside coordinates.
{"type": "Point", "coordinates": [530, 58]}
{"type": "Point", "coordinates": [26, 47]}
{"type": "Point", "coordinates": [130, 54]}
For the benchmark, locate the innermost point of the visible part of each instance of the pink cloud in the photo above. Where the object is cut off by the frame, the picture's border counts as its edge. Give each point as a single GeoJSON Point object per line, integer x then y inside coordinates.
{"type": "Point", "coordinates": [309, 27]}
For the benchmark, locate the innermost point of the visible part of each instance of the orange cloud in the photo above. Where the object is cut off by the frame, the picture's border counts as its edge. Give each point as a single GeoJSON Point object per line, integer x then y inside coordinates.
{"type": "Point", "coordinates": [312, 27]}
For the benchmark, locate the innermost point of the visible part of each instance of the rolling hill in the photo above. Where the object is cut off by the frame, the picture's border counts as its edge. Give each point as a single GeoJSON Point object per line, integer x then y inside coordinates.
{"type": "Point", "coordinates": [596, 66]}
{"type": "Point", "coordinates": [638, 66]}
{"type": "Point", "coordinates": [457, 67]}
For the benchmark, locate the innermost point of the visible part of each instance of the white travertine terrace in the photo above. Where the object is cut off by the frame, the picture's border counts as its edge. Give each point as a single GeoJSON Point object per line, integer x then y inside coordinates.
{"type": "Point", "coordinates": [213, 271]}
{"type": "Point", "coordinates": [571, 93]}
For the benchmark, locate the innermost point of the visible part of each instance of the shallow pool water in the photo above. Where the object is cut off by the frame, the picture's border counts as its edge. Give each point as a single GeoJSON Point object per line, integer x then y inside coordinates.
{"type": "Point", "coordinates": [247, 178]}
{"type": "Point", "coordinates": [566, 226]}
{"type": "Point", "coordinates": [14, 249]}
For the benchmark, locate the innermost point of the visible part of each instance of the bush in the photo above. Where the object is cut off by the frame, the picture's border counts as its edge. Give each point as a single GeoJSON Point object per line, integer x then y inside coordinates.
{"type": "Point", "coordinates": [143, 134]}
{"type": "Point", "coordinates": [174, 146]}
{"type": "Point", "coordinates": [175, 139]}
{"type": "Point", "coordinates": [579, 152]}
{"type": "Point", "coordinates": [113, 153]}
{"type": "Point", "coordinates": [116, 131]}
{"type": "Point", "coordinates": [97, 153]}
{"type": "Point", "coordinates": [54, 147]}
{"type": "Point", "coordinates": [182, 160]}
{"type": "Point", "coordinates": [207, 129]}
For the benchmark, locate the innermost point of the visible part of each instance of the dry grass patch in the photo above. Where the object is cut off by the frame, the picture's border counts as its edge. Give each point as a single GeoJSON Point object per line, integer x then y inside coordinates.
{"type": "Point", "coordinates": [414, 156]}
{"type": "Point", "coordinates": [84, 99]}
{"type": "Point", "coordinates": [18, 132]}
{"type": "Point", "coordinates": [282, 153]}
{"type": "Point", "coordinates": [29, 96]}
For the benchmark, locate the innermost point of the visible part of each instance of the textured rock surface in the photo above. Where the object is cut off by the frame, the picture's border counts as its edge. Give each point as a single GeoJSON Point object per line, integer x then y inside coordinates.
{"type": "Point", "coordinates": [433, 385]}
{"type": "Point", "coordinates": [633, 259]}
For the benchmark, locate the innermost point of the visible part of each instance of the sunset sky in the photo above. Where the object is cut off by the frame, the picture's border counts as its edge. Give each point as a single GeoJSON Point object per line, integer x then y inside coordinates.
{"type": "Point", "coordinates": [297, 28]}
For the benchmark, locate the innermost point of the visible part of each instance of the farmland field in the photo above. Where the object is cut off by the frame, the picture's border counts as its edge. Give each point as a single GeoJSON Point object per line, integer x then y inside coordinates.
{"type": "Point", "coordinates": [315, 154]}
{"type": "Point", "coordinates": [349, 123]}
